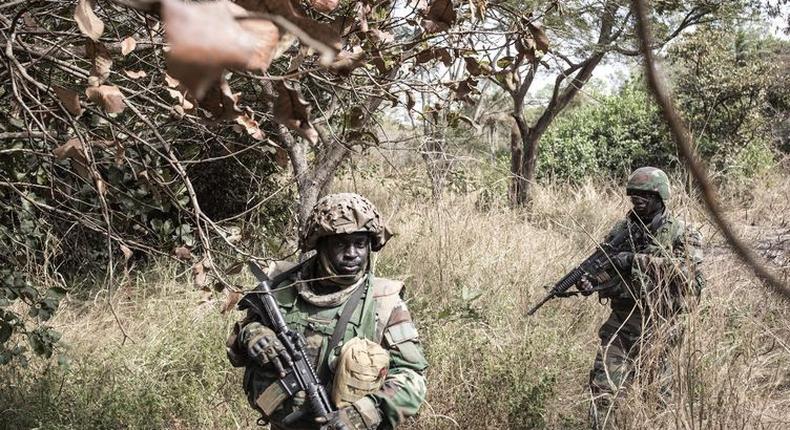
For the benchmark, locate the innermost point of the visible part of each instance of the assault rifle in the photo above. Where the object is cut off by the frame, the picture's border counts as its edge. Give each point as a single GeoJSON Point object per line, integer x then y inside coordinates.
{"type": "Point", "coordinates": [599, 261]}
{"type": "Point", "coordinates": [292, 363]}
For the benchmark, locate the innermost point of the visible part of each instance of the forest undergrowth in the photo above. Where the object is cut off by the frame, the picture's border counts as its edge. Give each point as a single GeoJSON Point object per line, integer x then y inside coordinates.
{"type": "Point", "coordinates": [472, 268]}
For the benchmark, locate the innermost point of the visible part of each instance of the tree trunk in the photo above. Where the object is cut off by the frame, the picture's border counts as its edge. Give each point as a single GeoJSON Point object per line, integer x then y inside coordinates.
{"type": "Point", "coordinates": [517, 189]}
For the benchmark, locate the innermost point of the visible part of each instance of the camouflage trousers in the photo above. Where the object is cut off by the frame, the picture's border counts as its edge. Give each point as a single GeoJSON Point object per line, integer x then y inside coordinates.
{"type": "Point", "coordinates": [621, 336]}
{"type": "Point", "coordinates": [624, 337]}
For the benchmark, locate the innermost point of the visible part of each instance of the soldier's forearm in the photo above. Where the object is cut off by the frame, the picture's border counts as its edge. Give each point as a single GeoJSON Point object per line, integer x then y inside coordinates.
{"type": "Point", "coordinates": [401, 396]}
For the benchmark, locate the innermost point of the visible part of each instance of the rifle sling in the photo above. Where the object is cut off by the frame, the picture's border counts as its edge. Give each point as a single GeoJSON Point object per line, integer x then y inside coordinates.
{"type": "Point", "coordinates": [340, 330]}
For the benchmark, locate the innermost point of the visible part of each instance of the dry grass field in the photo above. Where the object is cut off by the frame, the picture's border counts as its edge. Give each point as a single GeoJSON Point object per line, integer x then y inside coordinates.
{"type": "Point", "coordinates": [472, 268]}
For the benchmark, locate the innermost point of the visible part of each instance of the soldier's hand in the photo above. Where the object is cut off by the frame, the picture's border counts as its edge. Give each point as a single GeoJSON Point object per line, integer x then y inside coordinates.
{"type": "Point", "coordinates": [584, 286]}
{"type": "Point", "coordinates": [265, 348]}
{"type": "Point", "coordinates": [623, 261]}
{"type": "Point", "coordinates": [344, 419]}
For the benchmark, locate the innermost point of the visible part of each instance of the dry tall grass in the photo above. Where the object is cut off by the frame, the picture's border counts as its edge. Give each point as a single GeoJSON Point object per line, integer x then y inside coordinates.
{"type": "Point", "coordinates": [471, 274]}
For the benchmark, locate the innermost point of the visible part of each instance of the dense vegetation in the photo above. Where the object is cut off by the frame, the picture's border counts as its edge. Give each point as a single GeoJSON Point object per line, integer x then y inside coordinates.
{"type": "Point", "coordinates": [128, 202]}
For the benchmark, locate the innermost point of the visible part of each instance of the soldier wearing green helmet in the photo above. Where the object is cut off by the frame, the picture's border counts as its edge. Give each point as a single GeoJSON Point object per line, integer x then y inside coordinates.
{"type": "Point", "coordinates": [652, 284]}
{"type": "Point", "coordinates": [360, 336]}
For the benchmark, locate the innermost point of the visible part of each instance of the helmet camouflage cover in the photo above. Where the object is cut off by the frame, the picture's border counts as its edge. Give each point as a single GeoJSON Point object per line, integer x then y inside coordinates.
{"type": "Point", "coordinates": [343, 213]}
{"type": "Point", "coordinates": [649, 179]}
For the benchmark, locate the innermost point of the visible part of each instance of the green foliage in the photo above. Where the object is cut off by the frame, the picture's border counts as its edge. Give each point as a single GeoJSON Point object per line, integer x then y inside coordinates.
{"type": "Point", "coordinates": [608, 135]}
{"type": "Point", "coordinates": [731, 85]}
{"type": "Point", "coordinates": [173, 376]}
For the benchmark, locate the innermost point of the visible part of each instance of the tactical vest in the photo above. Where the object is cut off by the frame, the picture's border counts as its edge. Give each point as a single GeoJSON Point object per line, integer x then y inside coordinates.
{"type": "Point", "coordinates": [368, 320]}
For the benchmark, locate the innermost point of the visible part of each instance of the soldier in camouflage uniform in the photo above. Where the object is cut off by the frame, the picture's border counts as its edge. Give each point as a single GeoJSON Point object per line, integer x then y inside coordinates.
{"type": "Point", "coordinates": [649, 285]}
{"type": "Point", "coordinates": [375, 373]}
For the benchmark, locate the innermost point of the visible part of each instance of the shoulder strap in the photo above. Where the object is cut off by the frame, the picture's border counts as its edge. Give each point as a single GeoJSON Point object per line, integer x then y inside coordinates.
{"type": "Point", "coordinates": [340, 330]}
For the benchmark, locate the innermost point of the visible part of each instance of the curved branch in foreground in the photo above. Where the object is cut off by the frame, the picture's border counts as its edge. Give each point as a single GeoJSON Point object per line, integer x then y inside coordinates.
{"type": "Point", "coordinates": [681, 136]}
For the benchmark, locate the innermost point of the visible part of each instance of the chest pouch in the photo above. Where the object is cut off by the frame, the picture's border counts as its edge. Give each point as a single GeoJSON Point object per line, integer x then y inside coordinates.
{"type": "Point", "coordinates": [361, 369]}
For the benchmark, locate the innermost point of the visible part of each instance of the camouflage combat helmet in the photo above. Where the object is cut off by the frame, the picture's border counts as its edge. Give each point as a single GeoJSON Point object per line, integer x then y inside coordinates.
{"type": "Point", "coordinates": [343, 213]}
{"type": "Point", "coordinates": [649, 179]}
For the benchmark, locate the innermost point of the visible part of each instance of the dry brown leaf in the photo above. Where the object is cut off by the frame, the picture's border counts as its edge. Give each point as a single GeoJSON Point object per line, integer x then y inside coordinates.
{"type": "Point", "coordinates": [206, 38]}
{"type": "Point", "coordinates": [439, 16]}
{"type": "Point", "coordinates": [183, 253]}
{"type": "Point", "coordinates": [281, 157]}
{"type": "Point", "coordinates": [465, 88]}
{"type": "Point", "coordinates": [135, 75]}
{"type": "Point", "coordinates": [109, 97]}
{"type": "Point", "coordinates": [127, 253]}
{"type": "Point", "coordinates": [526, 48]}
{"type": "Point", "coordinates": [69, 98]}
{"type": "Point", "coordinates": [473, 66]}
{"type": "Point", "coordinates": [71, 149]}
{"type": "Point", "coordinates": [221, 102]}
{"type": "Point", "coordinates": [181, 98]}
{"type": "Point", "coordinates": [293, 112]}
{"type": "Point", "coordinates": [128, 45]}
{"type": "Point", "coordinates": [171, 81]}
{"type": "Point", "coordinates": [541, 40]}
{"type": "Point", "coordinates": [381, 36]}
{"type": "Point", "coordinates": [323, 37]}
{"type": "Point", "coordinates": [250, 126]}
{"type": "Point", "coordinates": [102, 62]}
{"type": "Point", "coordinates": [120, 154]}
{"type": "Point", "coordinates": [324, 6]}
{"type": "Point", "coordinates": [346, 61]}
{"type": "Point", "coordinates": [199, 275]}
{"type": "Point", "coordinates": [230, 301]}
{"type": "Point", "coordinates": [89, 24]}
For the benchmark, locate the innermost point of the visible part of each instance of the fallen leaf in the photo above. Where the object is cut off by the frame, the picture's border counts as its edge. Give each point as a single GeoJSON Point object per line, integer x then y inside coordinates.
{"type": "Point", "coordinates": [221, 102]}
{"type": "Point", "coordinates": [87, 21]}
{"type": "Point", "coordinates": [324, 6]}
{"type": "Point", "coordinates": [206, 38]}
{"type": "Point", "coordinates": [183, 253]}
{"type": "Point", "coordinates": [199, 275]}
{"type": "Point", "coordinates": [181, 98]}
{"type": "Point", "coordinates": [70, 99]}
{"type": "Point", "coordinates": [128, 45]}
{"type": "Point", "coordinates": [293, 112]}
{"type": "Point", "coordinates": [135, 75]}
{"type": "Point", "coordinates": [281, 157]}
{"type": "Point", "coordinates": [127, 253]}
{"type": "Point", "coordinates": [108, 97]}
{"type": "Point", "coordinates": [171, 81]}
{"type": "Point", "coordinates": [439, 16]}
{"type": "Point", "coordinates": [541, 40]}
{"type": "Point", "coordinates": [230, 301]}
{"type": "Point", "coordinates": [250, 126]}
{"type": "Point", "coordinates": [71, 149]}
{"type": "Point", "coordinates": [120, 152]}
{"type": "Point", "coordinates": [102, 62]}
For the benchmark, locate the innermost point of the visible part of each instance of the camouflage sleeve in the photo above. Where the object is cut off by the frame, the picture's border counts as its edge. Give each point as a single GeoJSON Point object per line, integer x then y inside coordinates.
{"type": "Point", "coordinates": [679, 266]}
{"type": "Point", "coordinates": [404, 388]}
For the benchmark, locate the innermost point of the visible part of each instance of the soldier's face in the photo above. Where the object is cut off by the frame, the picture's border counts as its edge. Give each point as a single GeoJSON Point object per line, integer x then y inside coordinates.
{"type": "Point", "coordinates": [348, 253]}
{"type": "Point", "coordinates": [646, 204]}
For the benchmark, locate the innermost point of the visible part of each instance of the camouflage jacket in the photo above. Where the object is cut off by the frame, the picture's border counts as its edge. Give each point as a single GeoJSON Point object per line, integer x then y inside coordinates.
{"type": "Point", "coordinates": [381, 316]}
{"type": "Point", "coordinates": [665, 273]}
